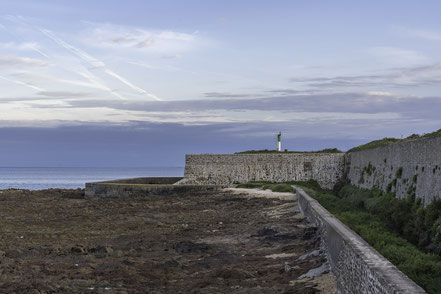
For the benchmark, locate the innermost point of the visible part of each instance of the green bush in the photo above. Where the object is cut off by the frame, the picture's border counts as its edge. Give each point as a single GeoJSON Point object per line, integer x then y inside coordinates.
{"type": "Point", "coordinates": [402, 230]}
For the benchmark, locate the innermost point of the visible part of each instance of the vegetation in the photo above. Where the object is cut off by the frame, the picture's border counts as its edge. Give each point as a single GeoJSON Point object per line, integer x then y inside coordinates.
{"type": "Point", "coordinates": [402, 230]}
{"type": "Point", "coordinates": [387, 141]}
{"type": "Point", "coordinates": [327, 150]}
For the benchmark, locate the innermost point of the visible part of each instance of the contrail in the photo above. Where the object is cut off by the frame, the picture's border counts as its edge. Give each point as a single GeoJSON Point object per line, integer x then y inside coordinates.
{"type": "Point", "coordinates": [95, 81]}
{"type": "Point", "coordinates": [23, 84]}
{"type": "Point", "coordinates": [95, 63]}
{"type": "Point", "coordinates": [20, 21]}
{"type": "Point", "coordinates": [123, 80]}
{"type": "Point", "coordinates": [34, 47]}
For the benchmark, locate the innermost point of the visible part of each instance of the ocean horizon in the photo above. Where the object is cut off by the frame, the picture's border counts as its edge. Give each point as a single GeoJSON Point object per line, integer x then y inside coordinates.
{"type": "Point", "coordinates": [39, 178]}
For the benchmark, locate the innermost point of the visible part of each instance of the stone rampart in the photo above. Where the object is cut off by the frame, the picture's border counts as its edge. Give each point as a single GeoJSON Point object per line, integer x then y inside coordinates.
{"type": "Point", "coordinates": [226, 169]}
{"type": "Point", "coordinates": [404, 168]}
{"type": "Point", "coordinates": [144, 187]}
{"type": "Point", "coordinates": [357, 266]}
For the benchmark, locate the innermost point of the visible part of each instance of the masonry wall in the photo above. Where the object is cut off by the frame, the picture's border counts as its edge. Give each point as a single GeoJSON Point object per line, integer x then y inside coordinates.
{"type": "Point", "coordinates": [226, 169]}
{"type": "Point", "coordinates": [404, 168]}
{"type": "Point", "coordinates": [357, 267]}
{"type": "Point", "coordinates": [145, 187]}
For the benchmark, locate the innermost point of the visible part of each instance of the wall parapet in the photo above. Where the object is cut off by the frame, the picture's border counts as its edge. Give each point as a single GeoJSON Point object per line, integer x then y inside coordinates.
{"type": "Point", "coordinates": [357, 266]}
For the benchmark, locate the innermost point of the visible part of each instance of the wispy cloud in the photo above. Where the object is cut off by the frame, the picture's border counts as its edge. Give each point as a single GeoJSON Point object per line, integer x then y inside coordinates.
{"type": "Point", "coordinates": [422, 33]}
{"type": "Point", "coordinates": [343, 105]}
{"type": "Point", "coordinates": [15, 61]}
{"type": "Point", "coordinates": [114, 36]}
{"type": "Point", "coordinates": [399, 55]}
{"type": "Point", "coordinates": [96, 64]}
{"type": "Point", "coordinates": [32, 76]}
{"type": "Point", "coordinates": [176, 56]}
{"type": "Point", "coordinates": [28, 85]}
{"type": "Point", "coordinates": [64, 94]}
{"type": "Point", "coordinates": [398, 77]}
{"type": "Point", "coordinates": [229, 95]}
{"type": "Point", "coordinates": [26, 46]}
{"type": "Point", "coordinates": [286, 91]}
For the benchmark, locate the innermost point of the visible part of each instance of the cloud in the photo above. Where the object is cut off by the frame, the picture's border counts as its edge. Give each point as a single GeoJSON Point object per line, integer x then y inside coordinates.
{"type": "Point", "coordinates": [398, 77]}
{"type": "Point", "coordinates": [330, 106]}
{"type": "Point", "coordinates": [27, 46]}
{"type": "Point", "coordinates": [32, 76]}
{"type": "Point", "coordinates": [398, 55]}
{"type": "Point", "coordinates": [424, 34]}
{"type": "Point", "coordinates": [64, 94]}
{"type": "Point", "coordinates": [126, 37]}
{"type": "Point", "coordinates": [228, 95]}
{"type": "Point", "coordinates": [176, 56]}
{"type": "Point", "coordinates": [28, 85]}
{"type": "Point", "coordinates": [96, 64]}
{"type": "Point", "coordinates": [286, 91]}
{"type": "Point", "coordinates": [14, 61]}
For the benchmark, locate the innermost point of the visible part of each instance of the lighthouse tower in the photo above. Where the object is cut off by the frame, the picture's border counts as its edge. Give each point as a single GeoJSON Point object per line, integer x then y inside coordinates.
{"type": "Point", "coordinates": [279, 141]}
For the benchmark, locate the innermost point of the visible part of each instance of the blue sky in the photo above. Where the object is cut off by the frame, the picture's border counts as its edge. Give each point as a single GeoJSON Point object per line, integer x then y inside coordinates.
{"type": "Point", "coordinates": [142, 83]}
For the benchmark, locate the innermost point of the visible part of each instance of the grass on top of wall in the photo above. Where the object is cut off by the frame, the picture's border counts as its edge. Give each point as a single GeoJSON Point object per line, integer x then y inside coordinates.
{"type": "Point", "coordinates": [394, 227]}
{"type": "Point", "coordinates": [327, 150]}
{"type": "Point", "coordinates": [387, 141]}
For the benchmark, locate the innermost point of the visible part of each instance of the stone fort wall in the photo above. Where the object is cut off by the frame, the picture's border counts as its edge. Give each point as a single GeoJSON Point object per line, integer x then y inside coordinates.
{"type": "Point", "coordinates": [404, 168]}
{"type": "Point", "coordinates": [410, 167]}
{"type": "Point", "coordinates": [227, 169]}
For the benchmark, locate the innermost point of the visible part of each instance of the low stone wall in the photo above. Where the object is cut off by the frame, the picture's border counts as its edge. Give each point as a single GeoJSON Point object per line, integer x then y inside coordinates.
{"type": "Point", "coordinates": [227, 169]}
{"type": "Point", "coordinates": [357, 266]}
{"type": "Point", "coordinates": [148, 181]}
{"type": "Point", "coordinates": [409, 167]}
{"type": "Point", "coordinates": [141, 187]}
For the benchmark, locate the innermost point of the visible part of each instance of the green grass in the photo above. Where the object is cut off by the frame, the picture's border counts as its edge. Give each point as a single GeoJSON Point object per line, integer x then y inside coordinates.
{"type": "Point", "coordinates": [327, 150]}
{"type": "Point", "coordinates": [402, 230]}
{"type": "Point", "coordinates": [387, 141]}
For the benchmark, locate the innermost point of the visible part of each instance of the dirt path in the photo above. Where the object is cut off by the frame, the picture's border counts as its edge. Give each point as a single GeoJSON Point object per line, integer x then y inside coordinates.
{"type": "Point", "coordinates": [55, 241]}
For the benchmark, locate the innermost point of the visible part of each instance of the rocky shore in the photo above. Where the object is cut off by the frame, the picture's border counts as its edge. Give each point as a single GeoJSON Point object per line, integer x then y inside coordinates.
{"type": "Point", "coordinates": [234, 241]}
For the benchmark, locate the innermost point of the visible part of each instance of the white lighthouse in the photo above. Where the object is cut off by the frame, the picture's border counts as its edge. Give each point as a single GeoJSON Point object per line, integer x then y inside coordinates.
{"type": "Point", "coordinates": [279, 141]}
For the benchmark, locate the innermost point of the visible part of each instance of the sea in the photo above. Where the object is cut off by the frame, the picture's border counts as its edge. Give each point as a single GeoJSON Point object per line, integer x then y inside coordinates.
{"type": "Point", "coordinates": [38, 178]}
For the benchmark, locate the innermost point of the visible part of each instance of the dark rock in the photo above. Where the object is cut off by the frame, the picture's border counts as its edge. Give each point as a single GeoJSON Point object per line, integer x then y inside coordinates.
{"type": "Point", "coordinates": [190, 247]}
{"type": "Point", "coordinates": [266, 232]}
{"type": "Point", "coordinates": [13, 253]}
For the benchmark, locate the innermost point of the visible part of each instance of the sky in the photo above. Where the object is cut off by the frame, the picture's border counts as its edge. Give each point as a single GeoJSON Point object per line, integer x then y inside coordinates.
{"type": "Point", "coordinates": [142, 83]}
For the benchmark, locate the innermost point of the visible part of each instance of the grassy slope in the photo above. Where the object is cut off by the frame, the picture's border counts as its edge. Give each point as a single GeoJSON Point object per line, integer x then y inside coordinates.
{"type": "Point", "coordinates": [377, 218]}
{"type": "Point", "coordinates": [387, 141]}
{"type": "Point", "coordinates": [382, 220]}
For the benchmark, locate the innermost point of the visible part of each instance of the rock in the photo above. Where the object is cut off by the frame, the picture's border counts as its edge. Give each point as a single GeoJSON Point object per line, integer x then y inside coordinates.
{"type": "Point", "coordinates": [78, 249]}
{"type": "Point", "coordinates": [101, 249]}
{"type": "Point", "coordinates": [309, 233]}
{"type": "Point", "coordinates": [13, 253]}
{"type": "Point", "coordinates": [266, 232]}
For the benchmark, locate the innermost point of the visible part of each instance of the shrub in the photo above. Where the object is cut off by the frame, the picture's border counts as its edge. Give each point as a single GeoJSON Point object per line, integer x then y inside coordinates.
{"type": "Point", "coordinates": [402, 230]}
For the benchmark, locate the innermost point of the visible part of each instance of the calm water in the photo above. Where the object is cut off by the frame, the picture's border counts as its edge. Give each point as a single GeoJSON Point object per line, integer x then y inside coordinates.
{"type": "Point", "coordinates": [37, 178]}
